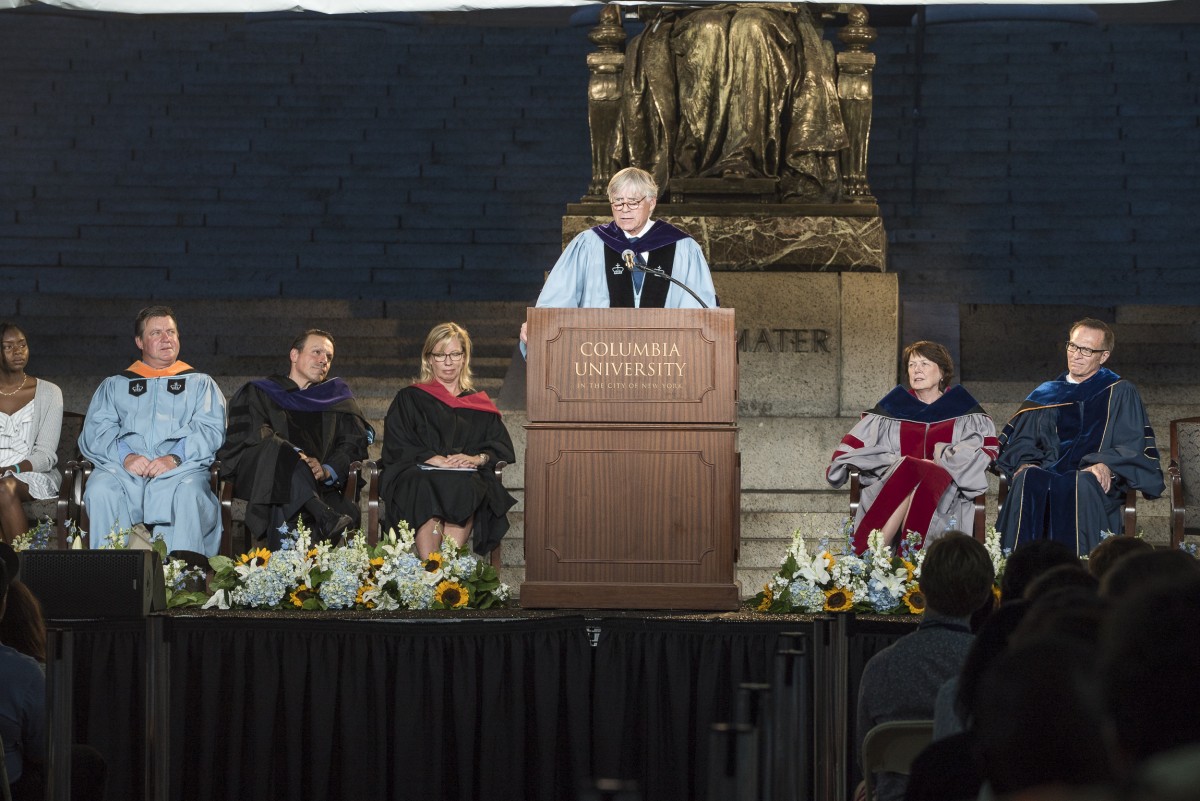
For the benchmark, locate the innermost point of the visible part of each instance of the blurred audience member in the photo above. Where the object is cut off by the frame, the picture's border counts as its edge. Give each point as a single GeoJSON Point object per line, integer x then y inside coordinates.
{"type": "Point", "coordinates": [1063, 613]}
{"type": "Point", "coordinates": [1039, 724]}
{"type": "Point", "coordinates": [23, 698]}
{"type": "Point", "coordinates": [1059, 577]}
{"type": "Point", "coordinates": [1029, 561]}
{"type": "Point", "coordinates": [22, 715]}
{"type": "Point", "coordinates": [1151, 668]}
{"type": "Point", "coordinates": [901, 681]}
{"type": "Point", "coordinates": [1139, 570]}
{"type": "Point", "coordinates": [23, 626]}
{"type": "Point", "coordinates": [1110, 550]}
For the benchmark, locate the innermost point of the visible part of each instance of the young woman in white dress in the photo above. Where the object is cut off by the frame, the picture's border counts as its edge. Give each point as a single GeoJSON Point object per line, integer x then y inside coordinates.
{"type": "Point", "coordinates": [31, 411]}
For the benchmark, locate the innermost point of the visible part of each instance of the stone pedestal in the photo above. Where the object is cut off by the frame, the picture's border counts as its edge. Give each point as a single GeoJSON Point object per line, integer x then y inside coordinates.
{"type": "Point", "coordinates": [812, 344]}
{"type": "Point", "coordinates": [760, 237]}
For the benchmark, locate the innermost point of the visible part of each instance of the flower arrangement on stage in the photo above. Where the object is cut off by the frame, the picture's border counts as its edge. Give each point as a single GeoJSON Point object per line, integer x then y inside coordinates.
{"type": "Point", "coordinates": [307, 575]}
{"type": "Point", "coordinates": [384, 576]}
{"type": "Point", "coordinates": [41, 536]}
{"type": "Point", "coordinates": [879, 581]}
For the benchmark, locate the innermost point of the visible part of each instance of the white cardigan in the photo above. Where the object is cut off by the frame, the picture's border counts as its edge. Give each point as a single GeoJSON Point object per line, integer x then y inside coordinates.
{"type": "Point", "coordinates": [47, 426]}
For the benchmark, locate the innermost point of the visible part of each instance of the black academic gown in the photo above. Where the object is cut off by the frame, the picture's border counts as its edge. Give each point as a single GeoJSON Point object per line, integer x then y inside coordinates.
{"type": "Point", "coordinates": [418, 427]}
{"type": "Point", "coordinates": [259, 454]}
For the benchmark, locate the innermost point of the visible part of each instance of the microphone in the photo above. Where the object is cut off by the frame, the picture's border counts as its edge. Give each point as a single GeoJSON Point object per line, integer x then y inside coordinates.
{"type": "Point", "coordinates": [630, 259]}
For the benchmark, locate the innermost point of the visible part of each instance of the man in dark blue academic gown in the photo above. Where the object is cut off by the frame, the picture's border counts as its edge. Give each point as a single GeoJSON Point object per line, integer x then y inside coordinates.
{"type": "Point", "coordinates": [1074, 448]}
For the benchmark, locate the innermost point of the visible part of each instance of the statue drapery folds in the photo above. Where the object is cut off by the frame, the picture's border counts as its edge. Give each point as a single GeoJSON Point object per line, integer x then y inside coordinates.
{"type": "Point", "coordinates": [733, 91]}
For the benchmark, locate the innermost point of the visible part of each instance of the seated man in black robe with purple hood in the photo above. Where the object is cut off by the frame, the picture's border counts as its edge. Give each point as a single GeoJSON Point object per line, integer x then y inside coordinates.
{"type": "Point", "coordinates": [290, 442]}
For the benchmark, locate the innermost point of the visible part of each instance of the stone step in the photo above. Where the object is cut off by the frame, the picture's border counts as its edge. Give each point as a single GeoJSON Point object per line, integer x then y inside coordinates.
{"type": "Point", "coordinates": [1154, 345]}
{"type": "Point", "coordinates": [766, 537]}
{"type": "Point", "coordinates": [250, 337]}
{"type": "Point", "coordinates": [1014, 391]}
{"type": "Point", "coordinates": [353, 354]}
{"type": "Point", "coordinates": [126, 308]}
{"type": "Point", "coordinates": [62, 331]}
{"type": "Point", "coordinates": [57, 368]}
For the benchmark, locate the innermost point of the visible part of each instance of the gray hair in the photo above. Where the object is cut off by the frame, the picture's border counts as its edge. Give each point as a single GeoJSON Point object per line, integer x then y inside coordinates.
{"type": "Point", "coordinates": [632, 180]}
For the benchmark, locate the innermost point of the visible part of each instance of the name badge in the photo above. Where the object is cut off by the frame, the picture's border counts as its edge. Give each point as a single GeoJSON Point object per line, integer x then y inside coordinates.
{"type": "Point", "coordinates": [137, 387]}
{"type": "Point", "coordinates": [176, 386]}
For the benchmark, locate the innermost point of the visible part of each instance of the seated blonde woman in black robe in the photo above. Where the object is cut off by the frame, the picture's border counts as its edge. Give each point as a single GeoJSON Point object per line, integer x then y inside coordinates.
{"type": "Point", "coordinates": [441, 442]}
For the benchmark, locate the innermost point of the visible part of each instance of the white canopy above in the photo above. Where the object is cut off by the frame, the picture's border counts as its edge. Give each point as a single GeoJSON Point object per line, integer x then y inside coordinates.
{"type": "Point", "coordinates": [376, 6]}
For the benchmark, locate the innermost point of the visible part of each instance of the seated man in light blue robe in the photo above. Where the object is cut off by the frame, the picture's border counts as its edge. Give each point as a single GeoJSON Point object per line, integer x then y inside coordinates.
{"type": "Point", "coordinates": [152, 432]}
{"type": "Point", "coordinates": [594, 272]}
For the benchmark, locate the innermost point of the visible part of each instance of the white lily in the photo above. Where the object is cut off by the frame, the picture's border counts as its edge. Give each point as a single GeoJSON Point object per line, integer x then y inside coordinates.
{"type": "Point", "coordinates": [815, 570]}
{"type": "Point", "coordinates": [892, 582]}
{"type": "Point", "coordinates": [219, 600]}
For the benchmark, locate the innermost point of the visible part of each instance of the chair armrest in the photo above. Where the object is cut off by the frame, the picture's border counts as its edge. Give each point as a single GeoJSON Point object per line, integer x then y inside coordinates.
{"type": "Point", "coordinates": [350, 489]}
{"type": "Point", "coordinates": [855, 492]}
{"type": "Point", "coordinates": [369, 473]}
{"type": "Point", "coordinates": [69, 505]}
{"type": "Point", "coordinates": [70, 497]}
{"type": "Point", "coordinates": [979, 526]}
{"type": "Point", "coordinates": [225, 499]}
{"type": "Point", "coordinates": [1129, 513]}
{"type": "Point", "coordinates": [1178, 506]}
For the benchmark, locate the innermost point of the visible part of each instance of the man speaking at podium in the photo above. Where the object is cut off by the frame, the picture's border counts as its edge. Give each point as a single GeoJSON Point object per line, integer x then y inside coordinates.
{"type": "Point", "coordinates": [622, 264]}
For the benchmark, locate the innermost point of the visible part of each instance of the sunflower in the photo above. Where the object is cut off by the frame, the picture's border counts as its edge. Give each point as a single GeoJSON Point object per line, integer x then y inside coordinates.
{"type": "Point", "coordinates": [451, 595]}
{"type": "Point", "coordinates": [768, 597]}
{"type": "Point", "coordinates": [299, 595]}
{"type": "Point", "coordinates": [358, 599]}
{"type": "Point", "coordinates": [258, 557]}
{"type": "Point", "coordinates": [838, 600]}
{"type": "Point", "coordinates": [377, 561]}
{"type": "Point", "coordinates": [433, 563]}
{"type": "Point", "coordinates": [914, 599]}
{"type": "Point", "coordinates": [910, 567]}
{"type": "Point", "coordinates": [312, 553]}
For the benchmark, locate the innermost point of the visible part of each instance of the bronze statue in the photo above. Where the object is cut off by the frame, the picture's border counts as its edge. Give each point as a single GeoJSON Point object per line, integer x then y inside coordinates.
{"type": "Point", "coordinates": [733, 91]}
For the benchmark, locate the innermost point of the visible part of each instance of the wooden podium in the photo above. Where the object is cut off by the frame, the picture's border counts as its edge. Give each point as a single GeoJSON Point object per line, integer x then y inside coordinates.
{"type": "Point", "coordinates": [632, 473]}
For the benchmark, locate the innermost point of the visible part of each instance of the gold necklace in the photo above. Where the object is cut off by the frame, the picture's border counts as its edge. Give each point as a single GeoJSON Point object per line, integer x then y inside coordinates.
{"type": "Point", "coordinates": [24, 378]}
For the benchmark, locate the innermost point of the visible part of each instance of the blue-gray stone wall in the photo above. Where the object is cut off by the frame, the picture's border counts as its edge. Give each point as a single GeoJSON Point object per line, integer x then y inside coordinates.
{"type": "Point", "coordinates": [1041, 163]}
{"type": "Point", "coordinates": [383, 157]}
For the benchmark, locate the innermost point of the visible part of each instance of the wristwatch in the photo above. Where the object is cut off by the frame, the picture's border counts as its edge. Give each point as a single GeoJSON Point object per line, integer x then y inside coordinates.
{"type": "Point", "coordinates": [175, 456]}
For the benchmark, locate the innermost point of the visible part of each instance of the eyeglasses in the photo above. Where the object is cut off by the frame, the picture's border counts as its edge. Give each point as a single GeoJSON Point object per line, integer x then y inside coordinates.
{"type": "Point", "coordinates": [627, 205]}
{"type": "Point", "coordinates": [1087, 352]}
{"type": "Point", "coordinates": [16, 347]}
{"type": "Point", "coordinates": [447, 358]}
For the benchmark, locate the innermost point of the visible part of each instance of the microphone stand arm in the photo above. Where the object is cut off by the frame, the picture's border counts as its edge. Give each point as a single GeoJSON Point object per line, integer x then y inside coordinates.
{"type": "Point", "coordinates": [662, 274]}
{"type": "Point", "coordinates": [633, 263]}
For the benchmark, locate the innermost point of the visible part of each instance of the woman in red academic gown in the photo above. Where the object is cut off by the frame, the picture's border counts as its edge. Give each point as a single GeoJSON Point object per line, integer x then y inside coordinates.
{"type": "Point", "coordinates": [922, 453]}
